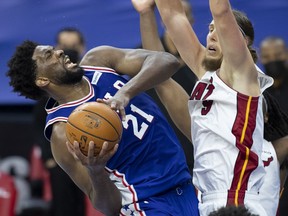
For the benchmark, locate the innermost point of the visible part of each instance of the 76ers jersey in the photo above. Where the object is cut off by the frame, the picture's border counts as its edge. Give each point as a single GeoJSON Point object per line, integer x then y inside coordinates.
{"type": "Point", "coordinates": [149, 160]}
{"type": "Point", "coordinates": [227, 133]}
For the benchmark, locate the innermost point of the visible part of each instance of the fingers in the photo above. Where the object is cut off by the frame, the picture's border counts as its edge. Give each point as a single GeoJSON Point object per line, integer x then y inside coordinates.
{"type": "Point", "coordinates": [99, 100]}
{"type": "Point", "coordinates": [116, 106]}
{"type": "Point", "coordinates": [106, 152]}
{"type": "Point", "coordinates": [77, 151]}
{"type": "Point", "coordinates": [114, 150]}
{"type": "Point", "coordinates": [123, 114]}
{"type": "Point", "coordinates": [71, 149]}
{"type": "Point", "coordinates": [91, 149]}
{"type": "Point", "coordinates": [119, 109]}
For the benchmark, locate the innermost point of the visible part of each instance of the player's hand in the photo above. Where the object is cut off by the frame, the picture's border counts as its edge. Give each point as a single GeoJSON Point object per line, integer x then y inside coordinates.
{"type": "Point", "coordinates": [118, 103]}
{"type": "Point", "coordinates": [143, 5]}
{"type": "Point", "coordinates": [95, 163]}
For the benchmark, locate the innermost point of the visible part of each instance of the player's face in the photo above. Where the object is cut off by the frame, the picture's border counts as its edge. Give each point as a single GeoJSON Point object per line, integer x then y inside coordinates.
{"type": "Point", "coordinates": [213, 55]}
{"type": "Point", "coordinates": [56, 66]}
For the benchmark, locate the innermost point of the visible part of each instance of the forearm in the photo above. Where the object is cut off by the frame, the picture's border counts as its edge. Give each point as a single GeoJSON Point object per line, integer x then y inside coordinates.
{"type": "Point", "coordinates": [171, 94]}
{"type": "Point", "coordinates": [169, 8]}
{"type": "Point", "coordinates": [175, 99]}
{"type": "Point", "coordinates": [149, 31]}
{"type": "Point", "coordinates": [219, 7]}
{"type": "Point", "coordinates": [156, 68]}
{"type": "Point", "coordinates": [104, 195]}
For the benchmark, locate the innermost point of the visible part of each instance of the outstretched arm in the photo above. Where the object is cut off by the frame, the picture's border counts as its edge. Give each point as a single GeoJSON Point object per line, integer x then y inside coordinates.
{"type": "Point", "coordinates": [237, 68]}
{"type": "Point", "coordinates": [182, 34]}
{"type": "Point", "coordinates": [171, 94]}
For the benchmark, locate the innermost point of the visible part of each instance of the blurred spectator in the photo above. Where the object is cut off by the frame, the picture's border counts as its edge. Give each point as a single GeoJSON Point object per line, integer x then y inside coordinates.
{"type": "Point", "coordinates": [274, 57]}
{"type": "Point", "coordinates": [68, 199]}
{"type": "Point", "coordinates": [72, 42]}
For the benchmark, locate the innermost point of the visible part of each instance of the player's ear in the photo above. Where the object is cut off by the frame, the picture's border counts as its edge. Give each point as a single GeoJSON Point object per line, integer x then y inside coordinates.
{"type": "Point", "coordinates": [42, 82]}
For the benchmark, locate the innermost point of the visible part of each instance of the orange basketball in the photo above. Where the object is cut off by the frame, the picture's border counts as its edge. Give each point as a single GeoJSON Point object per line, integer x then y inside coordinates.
{"type": "Point", "coordinates": [93, 121]}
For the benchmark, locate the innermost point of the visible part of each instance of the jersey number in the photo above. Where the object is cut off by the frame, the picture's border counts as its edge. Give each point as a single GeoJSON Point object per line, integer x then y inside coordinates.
{"type": "Point", "coordinates": [198, 93]}
{"type": "Point", "coordinates": [138, 131]}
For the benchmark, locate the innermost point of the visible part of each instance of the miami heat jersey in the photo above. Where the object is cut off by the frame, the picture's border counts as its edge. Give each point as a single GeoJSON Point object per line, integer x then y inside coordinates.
{"type": "Point", "coordinates": [270, 190]}
{"type": "Point", "coordinates": [149, 160]}
{"type": "Point", "coordinates": [227, 134]}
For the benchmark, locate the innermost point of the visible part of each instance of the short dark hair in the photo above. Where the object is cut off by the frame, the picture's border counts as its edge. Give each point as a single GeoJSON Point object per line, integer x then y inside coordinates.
{"type": "Point", "coordinates": [232, 211]}
{"type": "Point", "coordinates": [246, 26]}
{"type": "Point", "coordinates": [22, 71]}
{"type": "Point", "coordinates": [72, 30]}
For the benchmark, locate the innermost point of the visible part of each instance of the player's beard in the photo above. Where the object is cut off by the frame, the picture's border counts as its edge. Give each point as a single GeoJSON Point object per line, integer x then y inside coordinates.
{"type": "Point", "coordinates": [70, 77]}
{"type": "Point", "coordinates": [211, 64]}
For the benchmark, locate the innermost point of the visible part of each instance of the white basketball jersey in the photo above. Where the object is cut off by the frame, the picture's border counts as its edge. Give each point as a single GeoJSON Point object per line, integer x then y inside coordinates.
{"type": "Point", "coordinates": [227, 134]}
{"type": "Point", "coordinates": [270, 190]}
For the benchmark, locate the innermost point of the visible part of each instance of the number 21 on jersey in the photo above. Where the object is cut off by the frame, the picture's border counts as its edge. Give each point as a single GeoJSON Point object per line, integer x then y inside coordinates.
{"type": "Point", "coordinates": [138, 131]}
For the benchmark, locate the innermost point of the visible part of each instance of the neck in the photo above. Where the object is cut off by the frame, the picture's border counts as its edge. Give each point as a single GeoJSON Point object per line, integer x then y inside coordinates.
{"type": "Point", "coordinates": [68, 93]}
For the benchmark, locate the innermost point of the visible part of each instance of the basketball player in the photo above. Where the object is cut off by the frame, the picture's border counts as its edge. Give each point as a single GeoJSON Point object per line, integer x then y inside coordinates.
{"type": "Point", "coordinates": [276, 129]}
{"type": "Point", "coordinates": [146, 174]}
{"type": "Point", "coordinates": [225, 105]}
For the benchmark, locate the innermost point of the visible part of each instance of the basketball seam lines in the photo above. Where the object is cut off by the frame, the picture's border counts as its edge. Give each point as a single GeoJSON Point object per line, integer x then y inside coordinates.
{"type": "Point", "coordinates": [93, 134]}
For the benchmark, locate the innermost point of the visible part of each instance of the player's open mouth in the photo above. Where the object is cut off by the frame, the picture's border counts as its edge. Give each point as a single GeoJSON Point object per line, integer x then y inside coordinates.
{"type": "Point", "coordinates": [211, 49]}
{"type": "Point", "coordinates": [68, 63]}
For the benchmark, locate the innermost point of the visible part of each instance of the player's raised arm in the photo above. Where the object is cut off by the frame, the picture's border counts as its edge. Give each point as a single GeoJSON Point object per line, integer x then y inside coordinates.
{"type": "Point", "coordinates": [171, 94]}
{"type": "Point", "coordinates": [183, 36]}
{"type": "Point", "coordinates": [234, 37]}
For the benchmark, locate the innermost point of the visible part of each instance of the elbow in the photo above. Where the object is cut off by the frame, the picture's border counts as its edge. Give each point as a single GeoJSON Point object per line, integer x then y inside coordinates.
{"type": "Point", "coordinates": [172, 61]}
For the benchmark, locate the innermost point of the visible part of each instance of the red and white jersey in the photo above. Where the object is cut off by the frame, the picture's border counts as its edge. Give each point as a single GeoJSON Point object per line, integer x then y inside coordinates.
{"type": "Point", "coordinates": [270, 190]}
{"type": "Point", "coordinates": [227, 134]}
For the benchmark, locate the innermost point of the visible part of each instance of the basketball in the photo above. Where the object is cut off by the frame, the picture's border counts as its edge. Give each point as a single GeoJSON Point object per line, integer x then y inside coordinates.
{"type": "Point", "coordinates": [93, 121]}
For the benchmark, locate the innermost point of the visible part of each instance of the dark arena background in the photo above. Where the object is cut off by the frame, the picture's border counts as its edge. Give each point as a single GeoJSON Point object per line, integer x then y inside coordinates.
{"type": "Point", "coordinates": [103, 22]}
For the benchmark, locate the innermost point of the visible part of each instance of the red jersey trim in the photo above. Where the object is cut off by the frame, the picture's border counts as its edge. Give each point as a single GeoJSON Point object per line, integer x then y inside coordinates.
{"type": "Point", "coordinates": [100, 69]}
{"type": "Point", "coordinates": [247, 160]}
{"type": "Point", "coordinates": [131, 189]}
{"type": "Point", "coordinates": [76, 102]}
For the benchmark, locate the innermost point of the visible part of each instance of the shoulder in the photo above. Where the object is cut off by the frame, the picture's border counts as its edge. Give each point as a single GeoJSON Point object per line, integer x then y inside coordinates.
{"type": "Point", "coordinates": [99, 55]}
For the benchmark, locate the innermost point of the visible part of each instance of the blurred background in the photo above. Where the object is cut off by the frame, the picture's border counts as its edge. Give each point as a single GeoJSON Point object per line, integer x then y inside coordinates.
{"type": "Point", "coordinates": [110, 22]}
{"type": "Point", "coordinates": [102, 22]}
